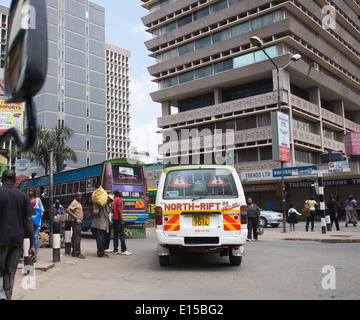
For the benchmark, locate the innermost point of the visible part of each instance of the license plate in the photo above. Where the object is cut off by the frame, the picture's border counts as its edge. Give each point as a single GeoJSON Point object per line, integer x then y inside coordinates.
{"type": "Point", "coordinates": [129, 203]}
{"type": "Point", "coordinates": [201, 220]}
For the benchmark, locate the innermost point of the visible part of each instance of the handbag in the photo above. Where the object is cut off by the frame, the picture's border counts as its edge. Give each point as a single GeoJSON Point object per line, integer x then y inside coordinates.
{"type": "Point", "coordinates": [260, 229]}
{"type": "Point", "coordinates": [306, 210]}
{"type": "Point", "coordinates": [36, 218]}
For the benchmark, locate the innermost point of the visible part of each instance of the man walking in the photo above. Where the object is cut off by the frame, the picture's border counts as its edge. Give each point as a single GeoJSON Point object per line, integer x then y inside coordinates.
{"type": "Point", "coordinates": [118, 225]}
{"type": "Point", "coordinates": [15, 214]}
{"type": "Point", "coordinates": [100, 225]}
{"type": "Point", "coordinates": [76, 212]}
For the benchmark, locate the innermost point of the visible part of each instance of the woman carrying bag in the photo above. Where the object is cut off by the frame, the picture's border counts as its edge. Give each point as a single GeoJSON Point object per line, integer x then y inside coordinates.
{"type": "Point", "coordinates": [39, 209]}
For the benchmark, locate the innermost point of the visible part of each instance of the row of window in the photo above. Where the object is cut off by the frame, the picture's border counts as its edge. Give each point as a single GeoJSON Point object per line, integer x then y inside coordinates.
{"type": "Point", "coordinates": [233, 63]}
{"type": "Point", "coordinates": [71, 188]}
{"type": "Point", "coordinates": [223, 35]}
{"type": "Point", "coordinates": [201, 13]}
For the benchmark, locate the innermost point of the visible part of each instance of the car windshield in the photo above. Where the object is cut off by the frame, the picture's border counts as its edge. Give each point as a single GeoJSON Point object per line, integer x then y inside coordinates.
{"type": "Point", "coordinates": [199, 184]}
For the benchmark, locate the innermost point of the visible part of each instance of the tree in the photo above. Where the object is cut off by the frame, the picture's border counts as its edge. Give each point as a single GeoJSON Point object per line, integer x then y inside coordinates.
{"type": "Point", "coordinates": [54, 139]}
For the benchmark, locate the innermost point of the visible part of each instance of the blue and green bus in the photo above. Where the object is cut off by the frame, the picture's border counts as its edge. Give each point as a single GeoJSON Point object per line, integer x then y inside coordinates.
{"type": "Point", "coordinates": [126, 175]}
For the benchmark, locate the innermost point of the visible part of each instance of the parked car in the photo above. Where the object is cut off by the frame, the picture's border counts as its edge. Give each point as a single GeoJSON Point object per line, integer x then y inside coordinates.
{"type": "Point", "coordinates": [272, 218]}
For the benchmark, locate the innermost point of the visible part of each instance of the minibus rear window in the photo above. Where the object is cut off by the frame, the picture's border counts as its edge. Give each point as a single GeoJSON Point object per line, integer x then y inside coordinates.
{"type": "Point", "coordinates": [199, 184]}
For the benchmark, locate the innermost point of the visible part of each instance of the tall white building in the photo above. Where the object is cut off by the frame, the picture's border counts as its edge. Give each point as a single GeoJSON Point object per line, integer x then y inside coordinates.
{"type": "Point", "coordinates": [118, 102]}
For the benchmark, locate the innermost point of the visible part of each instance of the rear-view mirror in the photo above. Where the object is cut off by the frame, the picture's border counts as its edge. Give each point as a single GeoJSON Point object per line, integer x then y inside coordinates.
{"type": "Point", "coordinates": [26, 63]}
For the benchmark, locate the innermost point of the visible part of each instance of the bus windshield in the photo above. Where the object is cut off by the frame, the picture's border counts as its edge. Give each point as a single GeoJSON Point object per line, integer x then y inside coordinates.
{"type": "Point", "coordinates": [127, 175]}
{"type": "Point", "coordinates": [200, 183]}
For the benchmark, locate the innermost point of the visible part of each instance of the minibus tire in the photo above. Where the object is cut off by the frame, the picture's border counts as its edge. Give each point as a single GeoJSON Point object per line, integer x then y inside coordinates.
{"type": "Point", "coordinates": [164, 261]}
{"type": "Point", "coordinates": [234, 261]}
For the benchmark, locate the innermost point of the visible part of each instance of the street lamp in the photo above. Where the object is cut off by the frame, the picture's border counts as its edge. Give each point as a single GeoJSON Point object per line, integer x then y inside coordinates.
{"type": "Point", "coordinates": [256, 41]}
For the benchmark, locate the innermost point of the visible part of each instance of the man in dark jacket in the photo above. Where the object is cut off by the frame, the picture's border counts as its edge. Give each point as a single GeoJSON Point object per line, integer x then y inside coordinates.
{"type": "Point", "coordinates": [15, 214]}
{"type": "Point", "coordinates": [333, 210]}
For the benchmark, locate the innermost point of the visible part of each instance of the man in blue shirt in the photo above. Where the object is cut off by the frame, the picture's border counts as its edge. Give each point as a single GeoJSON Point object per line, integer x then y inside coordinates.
{"type": "Point", "coordinates": [15, 214]}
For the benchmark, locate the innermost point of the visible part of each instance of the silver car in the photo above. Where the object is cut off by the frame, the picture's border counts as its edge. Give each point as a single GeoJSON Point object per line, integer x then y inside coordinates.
{"type": "Point", "coordinates": [271, 218]}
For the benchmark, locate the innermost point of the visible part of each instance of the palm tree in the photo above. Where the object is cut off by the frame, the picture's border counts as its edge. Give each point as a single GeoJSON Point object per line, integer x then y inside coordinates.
{"type": "Point", "coordinates": [51, 139]}
{"type": "Point", "coordinates": [60, 135]}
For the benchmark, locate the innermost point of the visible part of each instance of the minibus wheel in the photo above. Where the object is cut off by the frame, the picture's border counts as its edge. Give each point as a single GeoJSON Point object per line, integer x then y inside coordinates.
{"type": "Point", "coordinates": [164, 261]}
{"type": "Point", "coordinates": [234, 260]}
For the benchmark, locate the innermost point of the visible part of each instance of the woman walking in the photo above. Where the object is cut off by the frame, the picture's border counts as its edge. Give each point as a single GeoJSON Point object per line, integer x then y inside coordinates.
{"type": "Point", "coordinates": [350, 210]}
{"type": "Point", "coordinates": [37, 205]}
{"type": "Point", "coordinates": [253, 213]}
{"type": "Point", "coordinates": [311, 218]}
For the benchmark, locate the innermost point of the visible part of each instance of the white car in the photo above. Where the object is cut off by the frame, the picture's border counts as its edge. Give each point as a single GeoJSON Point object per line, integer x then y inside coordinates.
{"type": "Point", "coordinates": [271, 218]}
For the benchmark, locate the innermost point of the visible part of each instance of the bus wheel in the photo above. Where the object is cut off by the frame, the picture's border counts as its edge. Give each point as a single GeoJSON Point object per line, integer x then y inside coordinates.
{"type": "Point", "coordinates": [234, 260]}
{"type": "Point", "coordinates": [164, 260]}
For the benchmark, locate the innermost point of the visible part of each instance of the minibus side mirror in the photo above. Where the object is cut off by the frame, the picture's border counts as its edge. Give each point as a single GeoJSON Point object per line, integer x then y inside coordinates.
{"type": "Point", "coordinates": [26, 63]}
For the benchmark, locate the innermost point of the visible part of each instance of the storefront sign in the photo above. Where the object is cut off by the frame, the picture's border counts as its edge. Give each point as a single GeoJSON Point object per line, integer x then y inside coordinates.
{"type": "Point", "coordinates": [296, 171]}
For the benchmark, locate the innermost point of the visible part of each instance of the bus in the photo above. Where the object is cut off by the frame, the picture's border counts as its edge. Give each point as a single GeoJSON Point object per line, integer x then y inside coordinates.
{"type": "Point", "coordinates": [126, 175]}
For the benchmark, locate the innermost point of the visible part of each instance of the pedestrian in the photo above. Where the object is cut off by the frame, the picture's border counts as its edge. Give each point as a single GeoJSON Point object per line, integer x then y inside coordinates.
{"type": "Point", "coordinates": [60, 214]}
{"type": "Point", "coordinates": [100, 225]}
{"type": "Point", "coordinates": [38, 206]}
{"type": "Point", "coordinates": [270, 206]}
{"type": "Point", "coordinates": [333, 211]}
{"type": "Point", "coordinates": [118, 225]}
{"type": "Point", "coordinates": [253, 214]}
{"type": "Point", "coordinates": [311, 218]}
{"type": "Point", "coordinates": [15, 215]}
{"type": "Point", "coordinates": [338, 203]}
{"type": "Point", "coordinates": [292, 218]}
{"type": "Point", "coordinates": [75, 210]}
{"type": "Point", "coordinates": [350, 210]}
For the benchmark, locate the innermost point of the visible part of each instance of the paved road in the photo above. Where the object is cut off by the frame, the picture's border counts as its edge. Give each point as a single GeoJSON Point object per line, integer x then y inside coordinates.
{"type": "Point", "coordinates": [271, 269]}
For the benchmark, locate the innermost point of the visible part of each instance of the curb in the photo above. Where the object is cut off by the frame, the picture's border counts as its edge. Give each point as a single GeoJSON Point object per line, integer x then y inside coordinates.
{"type": "Point", "coordinates": [325, 240]}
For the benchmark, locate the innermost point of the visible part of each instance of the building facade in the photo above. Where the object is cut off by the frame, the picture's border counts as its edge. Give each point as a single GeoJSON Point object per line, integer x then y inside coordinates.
{"type": "Point", "coordinates": [74, 90]}
{"type": "Point", "coordinates": [217, 81]}
{"type": "Point", "coordinates": [118, 102]}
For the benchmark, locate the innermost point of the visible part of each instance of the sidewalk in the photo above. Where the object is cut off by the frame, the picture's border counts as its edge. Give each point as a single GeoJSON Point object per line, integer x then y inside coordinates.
{"type": "Point", "coordinates": [345, 235]}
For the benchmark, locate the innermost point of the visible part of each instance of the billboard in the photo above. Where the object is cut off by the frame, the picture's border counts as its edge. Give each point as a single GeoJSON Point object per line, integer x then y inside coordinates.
{"type": "Point", "coordinates": [280, 136]}
{"type": "Point", "coordinates": [352, 144]}
{"type": "Point", "coordinates": [11, 115]}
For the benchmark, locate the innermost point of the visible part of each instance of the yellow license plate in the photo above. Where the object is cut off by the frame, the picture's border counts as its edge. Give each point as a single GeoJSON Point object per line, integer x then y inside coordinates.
{"type": "Point", "coordinates": [129, 203]}
{"type": "Point", "coordinates": [201, 220]}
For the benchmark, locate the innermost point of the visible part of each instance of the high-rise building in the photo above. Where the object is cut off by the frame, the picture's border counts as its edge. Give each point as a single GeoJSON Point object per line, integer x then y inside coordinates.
{"type": "Point", "coordinates": [74, 91]}
{"type": "Point", "coordinates": [209, 71]}
{"type": "Point", "coordinates": [118, 102]}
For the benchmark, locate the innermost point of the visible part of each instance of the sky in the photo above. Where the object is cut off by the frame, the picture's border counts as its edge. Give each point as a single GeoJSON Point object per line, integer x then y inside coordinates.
{"type": "Point", "coordinates": [124, 29]}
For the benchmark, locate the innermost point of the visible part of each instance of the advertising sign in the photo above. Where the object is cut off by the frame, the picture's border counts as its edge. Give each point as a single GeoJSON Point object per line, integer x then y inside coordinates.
{"type": "Point", "coordinates": [11, 115]}
{"type": "Point", "coordinates": [340, 166]}
{"type": "Point", "coordinates": [280, 136]}
{"type": "Point", "coordinates": [352, 144]}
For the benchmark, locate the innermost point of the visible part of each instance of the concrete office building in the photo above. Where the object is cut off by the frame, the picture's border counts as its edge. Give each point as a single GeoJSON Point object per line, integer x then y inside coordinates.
{"type": "Point", "coordinates": [74, 90]}
{"type": "Point", "coordinates": [118, 102]}
{"type": "Point", "coordinates": [208, 71]}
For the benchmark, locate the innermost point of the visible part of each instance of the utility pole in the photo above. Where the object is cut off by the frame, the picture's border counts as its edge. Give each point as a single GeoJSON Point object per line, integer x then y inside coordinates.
{"type": "Point", "coordinates": [51, 194]}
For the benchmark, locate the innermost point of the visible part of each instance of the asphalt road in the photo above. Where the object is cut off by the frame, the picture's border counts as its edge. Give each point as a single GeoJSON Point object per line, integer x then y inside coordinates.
{"type": "Point", "coordinates": [270, 270]}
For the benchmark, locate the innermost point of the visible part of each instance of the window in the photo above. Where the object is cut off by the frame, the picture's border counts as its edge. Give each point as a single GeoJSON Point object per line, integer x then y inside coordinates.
{"type": "Point", "coordinates": [244, 60]}
{"type": "Point", "coordinates": [240, 29]}
{"type": "Point", "coordinates": [223, 66]}
{"type": "Point", "coordinates": [264, 120]}
{"type": "Point", "coordinates": [247, 155]}
{"type": "Point", "coordinates": [221, 36]}
{"type": "Point", "coordinates": [265, 153]}
{"type": "Point", "coordinates": [203, 72]}
{"type": "Point", "coordinates": [219, 6]}
{"type": "Point", "coordinates": [262, 21]}
{"type": "Point", "coordinates": [197, 183]}
{"type": "Point", "coordinates": [260, 55]}
{"type": "Point", "coordinates": [201, 13]}
{"type": "Point", "coordinates": [186, 77]}
{"type": "Point", "coordinates": [184, 20]}
{"type": "Point", "coordinates": [232, 2]}
{"type": "Point", "coordinates": [203, 42]}
{"type": "Point", "coordinates": [189, 47]}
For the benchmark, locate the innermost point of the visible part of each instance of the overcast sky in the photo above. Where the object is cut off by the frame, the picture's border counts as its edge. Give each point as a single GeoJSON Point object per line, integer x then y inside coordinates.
{"type": "Point", "coordinates": [124, 29]}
